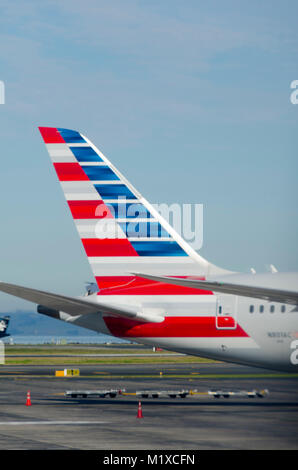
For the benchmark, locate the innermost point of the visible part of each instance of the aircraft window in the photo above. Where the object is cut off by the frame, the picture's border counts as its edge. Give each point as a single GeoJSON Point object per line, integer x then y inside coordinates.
{"type": "Point", "coordinates": [272, 308]}
{"type": "Point", "coordinates": [283, 309]}
{"type": "Point", "coordinates": [220, 309]}
{"type": "Point", "coordinates": [251, 309]}
{"type": "Point", "coordinates": [261, 308]}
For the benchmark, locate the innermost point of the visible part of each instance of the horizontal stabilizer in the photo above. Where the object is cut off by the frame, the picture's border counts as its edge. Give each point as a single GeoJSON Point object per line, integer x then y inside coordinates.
{"type": "Point", "coordinates": [79, 306]}
{"type": "Point", "coordinates": [264, 293]}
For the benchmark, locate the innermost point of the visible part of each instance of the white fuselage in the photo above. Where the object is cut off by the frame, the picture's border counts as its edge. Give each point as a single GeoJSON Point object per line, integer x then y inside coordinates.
{"type": "Point", "coordinates": [225, 327]}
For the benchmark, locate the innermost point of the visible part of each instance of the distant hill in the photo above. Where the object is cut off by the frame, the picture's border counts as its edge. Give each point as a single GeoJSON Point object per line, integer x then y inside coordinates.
{"type": "Point", "coordinates": [31, 323]}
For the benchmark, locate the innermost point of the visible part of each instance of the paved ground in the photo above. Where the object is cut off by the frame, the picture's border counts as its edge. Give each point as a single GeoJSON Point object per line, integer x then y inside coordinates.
{"type": "Point", "coordinates": [198, 422]}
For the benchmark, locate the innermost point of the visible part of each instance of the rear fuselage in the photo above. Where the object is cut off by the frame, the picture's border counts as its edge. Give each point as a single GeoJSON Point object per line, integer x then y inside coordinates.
{"type": "Point", "coordinates": [225, 327]}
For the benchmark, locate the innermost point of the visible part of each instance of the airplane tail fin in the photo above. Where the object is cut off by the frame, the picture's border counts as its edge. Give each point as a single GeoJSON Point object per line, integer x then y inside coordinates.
{"type": "Point", "coordinates": [122, 233]}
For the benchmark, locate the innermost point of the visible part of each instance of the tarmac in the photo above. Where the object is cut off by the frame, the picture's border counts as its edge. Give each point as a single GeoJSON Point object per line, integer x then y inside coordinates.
{"type": "Point", "coordinates": [199, 421]}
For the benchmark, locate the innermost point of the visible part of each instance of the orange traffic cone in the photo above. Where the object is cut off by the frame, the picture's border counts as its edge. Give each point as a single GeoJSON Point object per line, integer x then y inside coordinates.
{"type": "Point", "coordinates": [28, 402]}
{"type": "Point", "coordinates": [140, 414]}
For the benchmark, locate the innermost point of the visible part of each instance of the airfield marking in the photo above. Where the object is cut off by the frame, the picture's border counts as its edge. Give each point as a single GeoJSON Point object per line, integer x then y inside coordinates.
{"type": "Point", "coordinates": [154, 376]}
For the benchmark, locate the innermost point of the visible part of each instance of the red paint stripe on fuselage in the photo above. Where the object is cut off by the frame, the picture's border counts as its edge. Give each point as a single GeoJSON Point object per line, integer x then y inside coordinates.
{"type": "Point", "coordinates": [171, 327]}
{"type": "Point", "coordinates": [134, 285]}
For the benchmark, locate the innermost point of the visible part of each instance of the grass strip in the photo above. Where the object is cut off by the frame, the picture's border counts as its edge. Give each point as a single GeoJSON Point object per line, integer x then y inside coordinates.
{"type": "Point", "coordinates": [55, 361]}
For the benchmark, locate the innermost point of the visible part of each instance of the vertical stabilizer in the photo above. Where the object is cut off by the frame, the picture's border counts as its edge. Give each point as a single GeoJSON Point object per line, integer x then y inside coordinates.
{"type": "Point", "coordinates": [120, 230]}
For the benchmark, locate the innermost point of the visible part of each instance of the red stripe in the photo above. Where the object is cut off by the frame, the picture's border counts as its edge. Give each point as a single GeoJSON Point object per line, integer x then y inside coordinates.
{"type": "Point", "coordinates": [171, 327]}
{"type": "Point", "coordinates": [70, 172]}
{"type": "Point", "coordinates": [108, 247]}
{"type": "Point", "coordinates": [133, 285]}
{"type": "Point", "coordinates": [225, 322]}
{"type": "Point", "coordinates": [89, 210]}
{"type": "Point", "coordinates": [51, 135]}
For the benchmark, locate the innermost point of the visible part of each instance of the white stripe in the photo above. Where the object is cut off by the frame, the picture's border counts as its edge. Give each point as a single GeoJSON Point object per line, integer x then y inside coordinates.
{"type": "Point", "coordinates": [82, 197]}
{"type": "Point", "coordinates": [60, 153]}
{"type": "Point", "coordinates": [53, 149]}
{"type": "Point", "coordinates": [78, 145]}
{"type": "Point", "coordinates": [107, 182]}
{"type": "Point", "coordinates": [79, 190]}
{"type": "Point", "coordinates": [136, 219]}
{"type": "Point", "coordinates": [121, 201]}
{"type": "Point", "coordinates": [93, 163]}
{"type": "Point", "coordinates": [150, 239]}
{"type": "Point", "coordinates": [162, 265]}
{"type": "Point", "coordinates": [99, 228]}
{"type": "Point", "coordinates": [159, 260]}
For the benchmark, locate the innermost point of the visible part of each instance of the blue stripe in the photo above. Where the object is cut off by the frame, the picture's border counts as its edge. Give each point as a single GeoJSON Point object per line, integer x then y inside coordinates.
{"type": "Point", "coordinates": [103, 173]}
{"type": "Point", "coordinates": [114, 191]}
{"type": "Point", "coordinates": [71, 136]}
{"type": "Point", "coordinates": [158, 248]}
{"type": "Point", "coordinates": [85, 154]}
{"type": "Point", "coordinates": [143, 229]}
{"type": "Point", "coordinates": [123, 210]}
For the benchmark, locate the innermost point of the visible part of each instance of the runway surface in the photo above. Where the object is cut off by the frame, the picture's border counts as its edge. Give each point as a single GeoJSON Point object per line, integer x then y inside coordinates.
{"type": "Point", "coordinates": [54, 421]}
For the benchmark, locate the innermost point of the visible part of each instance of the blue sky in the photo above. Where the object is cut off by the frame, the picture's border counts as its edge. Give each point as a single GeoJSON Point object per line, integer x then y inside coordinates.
{"type": "Point", "coordinates": [190, 100]}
